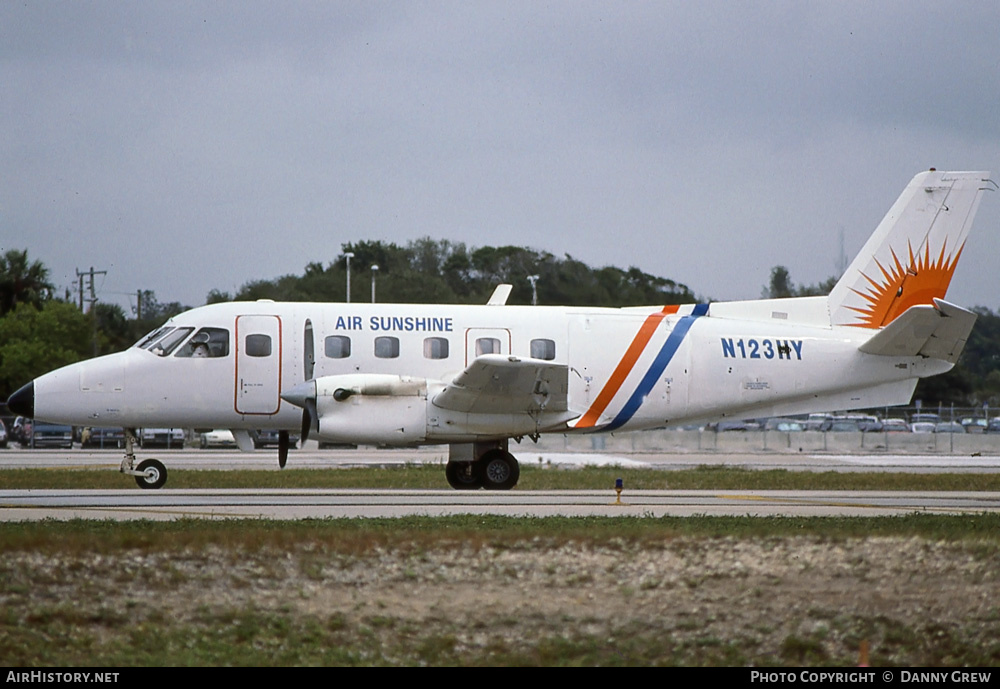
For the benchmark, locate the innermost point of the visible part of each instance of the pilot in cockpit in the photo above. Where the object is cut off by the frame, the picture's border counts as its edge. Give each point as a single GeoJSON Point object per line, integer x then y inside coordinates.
{"type": "Point", "coordinates": [199, 346]}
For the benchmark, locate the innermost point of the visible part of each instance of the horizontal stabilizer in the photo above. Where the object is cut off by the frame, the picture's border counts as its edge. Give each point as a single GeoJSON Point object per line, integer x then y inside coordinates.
{"type": "Point", "coordinates": [498, 384]}
{"type": "Point", "coordinates": [937, 332]}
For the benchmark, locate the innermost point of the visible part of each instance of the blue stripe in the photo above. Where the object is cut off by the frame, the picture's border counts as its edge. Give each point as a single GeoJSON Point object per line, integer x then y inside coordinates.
{"type": "Point", "coordinates": [666, 353]}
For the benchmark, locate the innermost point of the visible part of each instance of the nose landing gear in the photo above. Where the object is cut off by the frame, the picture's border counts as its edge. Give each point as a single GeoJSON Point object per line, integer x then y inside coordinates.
{"type": "Point", "coordinates": [150, 473]}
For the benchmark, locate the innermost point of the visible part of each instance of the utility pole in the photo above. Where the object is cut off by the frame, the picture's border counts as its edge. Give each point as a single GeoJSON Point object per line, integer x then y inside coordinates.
{"type": "Point", "coordinates": [139, 295]}
{"type": "Point", "coordinates": [374, 271]}
{"type": "Point", "coordinates": [93, 292]}
{"type": "Point", "coordinates": [93, 300]}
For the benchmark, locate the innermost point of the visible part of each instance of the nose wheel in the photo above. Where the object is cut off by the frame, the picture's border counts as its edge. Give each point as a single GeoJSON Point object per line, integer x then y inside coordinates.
{"type": "Point", "coordinates": [150, 474]}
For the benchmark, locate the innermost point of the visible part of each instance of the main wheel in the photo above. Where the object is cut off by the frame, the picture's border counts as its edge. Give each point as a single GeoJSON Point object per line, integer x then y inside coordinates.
{"type": "Point", "coordinates": [500, 470]}
{"type": "Point", "coordinates": [154, 474]}
{"type": "Point", "coordinates": [463, 475]}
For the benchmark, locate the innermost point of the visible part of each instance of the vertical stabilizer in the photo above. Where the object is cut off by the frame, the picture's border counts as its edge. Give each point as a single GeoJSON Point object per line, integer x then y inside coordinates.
{"type": "Point", "coordinates": [911, 257]}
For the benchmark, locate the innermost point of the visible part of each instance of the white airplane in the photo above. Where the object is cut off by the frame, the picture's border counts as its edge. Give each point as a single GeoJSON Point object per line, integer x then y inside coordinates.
{"type": "Point", "coordinates": [474, 377]}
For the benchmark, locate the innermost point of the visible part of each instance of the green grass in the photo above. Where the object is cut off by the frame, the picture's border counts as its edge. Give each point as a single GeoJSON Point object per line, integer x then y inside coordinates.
{"type": "Point", "coordinates": [532, 478]}
{"type": "Point", "coordinates": [364, 535]}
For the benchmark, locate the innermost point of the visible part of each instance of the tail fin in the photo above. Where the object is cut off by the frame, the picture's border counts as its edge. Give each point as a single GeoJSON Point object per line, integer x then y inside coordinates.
{"type": "Point", "coordinates": [910, 258]}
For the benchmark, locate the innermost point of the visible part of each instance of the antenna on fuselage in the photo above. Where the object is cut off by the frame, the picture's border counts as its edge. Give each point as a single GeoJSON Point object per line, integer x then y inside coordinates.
{"type": "Point", "coordinates": [500, 295]}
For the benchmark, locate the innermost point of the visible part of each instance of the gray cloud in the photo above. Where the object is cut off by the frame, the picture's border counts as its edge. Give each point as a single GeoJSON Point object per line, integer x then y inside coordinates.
{"type": "Point", "coordinates": [190, 146]}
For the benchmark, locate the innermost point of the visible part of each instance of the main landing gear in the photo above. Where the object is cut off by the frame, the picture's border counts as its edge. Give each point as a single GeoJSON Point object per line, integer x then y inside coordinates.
{"type": "Point", "coordinates": [489, 466]}
{"type": "Point", "coordinates": [150, 473]}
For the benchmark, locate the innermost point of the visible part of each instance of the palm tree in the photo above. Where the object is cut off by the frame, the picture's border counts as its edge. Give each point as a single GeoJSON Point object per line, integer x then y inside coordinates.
{"type": "Point", "coordinates": [22, 280]}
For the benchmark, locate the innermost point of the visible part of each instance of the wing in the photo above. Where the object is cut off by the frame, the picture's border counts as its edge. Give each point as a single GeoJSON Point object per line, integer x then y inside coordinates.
{"type": "Point", "coordinates": [498, 384]}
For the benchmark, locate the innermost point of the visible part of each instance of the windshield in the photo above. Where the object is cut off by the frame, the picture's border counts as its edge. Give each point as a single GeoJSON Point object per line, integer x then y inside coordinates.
{"type": "Point", "coordinates": [206, 343]}
{"type": "Point", "coordinates": [152, 337]}
{"type": "Point", "coordinates": [169, 342]}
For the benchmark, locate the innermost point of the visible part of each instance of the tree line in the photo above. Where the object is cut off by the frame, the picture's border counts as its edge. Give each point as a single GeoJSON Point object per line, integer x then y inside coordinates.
{"type": "Point", "coordinates": [429, 271]}
{"type": "Point", "coordinates": [41, 331]}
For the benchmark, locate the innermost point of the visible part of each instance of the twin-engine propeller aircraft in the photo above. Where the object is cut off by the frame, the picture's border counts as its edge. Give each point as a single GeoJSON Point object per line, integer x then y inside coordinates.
{"type": "Point", "coordinates": [476, 376]}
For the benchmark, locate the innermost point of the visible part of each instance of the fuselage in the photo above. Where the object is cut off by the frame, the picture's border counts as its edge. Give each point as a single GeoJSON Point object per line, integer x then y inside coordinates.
{"type": "Point", "coordinates": [226, 366]}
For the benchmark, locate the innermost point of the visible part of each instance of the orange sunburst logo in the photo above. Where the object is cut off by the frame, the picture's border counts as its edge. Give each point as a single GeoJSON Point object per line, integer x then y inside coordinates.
{"type": "Point", "coordinates": [919, 281]}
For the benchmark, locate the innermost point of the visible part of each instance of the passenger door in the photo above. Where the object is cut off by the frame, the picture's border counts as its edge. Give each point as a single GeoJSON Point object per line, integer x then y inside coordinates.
{"type": "Point", "coordinates": [258, 364]}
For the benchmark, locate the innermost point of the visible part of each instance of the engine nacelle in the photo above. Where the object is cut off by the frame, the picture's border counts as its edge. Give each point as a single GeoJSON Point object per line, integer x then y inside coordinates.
{"type": "Point", "coordinates": [372, 409]}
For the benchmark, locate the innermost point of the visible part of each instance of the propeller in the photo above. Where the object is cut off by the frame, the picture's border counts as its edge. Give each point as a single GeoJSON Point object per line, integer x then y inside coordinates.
{"type": "Point", "coordinates": [282, 448]}
{"type": "Point", "coordinates": [302, 395]}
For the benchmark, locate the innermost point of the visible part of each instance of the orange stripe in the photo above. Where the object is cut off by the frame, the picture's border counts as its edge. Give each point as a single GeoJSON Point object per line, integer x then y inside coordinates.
{"type": "Point", "coordinates": [624, 367]}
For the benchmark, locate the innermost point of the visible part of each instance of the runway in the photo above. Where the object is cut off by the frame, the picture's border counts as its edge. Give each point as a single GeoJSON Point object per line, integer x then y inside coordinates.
{"type": "Point", "coordinates": [167, 504]}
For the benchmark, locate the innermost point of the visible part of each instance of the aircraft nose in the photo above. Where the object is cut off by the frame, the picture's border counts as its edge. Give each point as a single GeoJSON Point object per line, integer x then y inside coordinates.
{"type": "Point", "coordinates": [22, 402]}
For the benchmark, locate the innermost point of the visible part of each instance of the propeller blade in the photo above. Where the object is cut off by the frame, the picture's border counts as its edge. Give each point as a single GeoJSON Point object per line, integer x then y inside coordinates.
{"type": "Point", "coordinates": [310, 419]}
{"type": "Point", "coordinates": [305, 425]}
{"type": "Point", "coordinates": [282, 448]}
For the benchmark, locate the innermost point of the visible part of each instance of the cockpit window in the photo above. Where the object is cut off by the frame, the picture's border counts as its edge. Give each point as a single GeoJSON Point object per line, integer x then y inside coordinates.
{"type": "Point", "coordinates": [152, 337]}
{"type": "Point", "coordinates": [207, 343]}
{"type": "Point", "coordinates": [169, 342]}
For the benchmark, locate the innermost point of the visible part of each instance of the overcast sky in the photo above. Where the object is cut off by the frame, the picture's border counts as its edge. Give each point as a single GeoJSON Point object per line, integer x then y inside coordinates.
{"type": "Point", "coordinates": [186, 146]}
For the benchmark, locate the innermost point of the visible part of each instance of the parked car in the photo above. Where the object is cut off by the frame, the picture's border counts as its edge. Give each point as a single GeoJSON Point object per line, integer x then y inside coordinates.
{"type": "Point", "coordinates": [949, 427]}
{"type": "Point", "coordinates": [994, 425]}
{"type": "Point", "coordinates": [723, 426]}
{"type": "Point", "coordinates": [270, 439]}
{"type": "Point", "coordinates": [171, 438]}
{"type": "Point", "coordinates": [895, 426]}
{"type": "Point", "coordinates": [974, 424]}
{"type": "Point", "coordinates": [102, 437]}
{"type": "Point", "coordinates": [784, 425]}
{"type": "Point", "coordinates": [20, 429]}
{"type": "Point", "coordinates": [867, 423]}
{"type": "Point", "coordinates": [3, 435]}
{"type": "Point", "coordinates": [925, 417]}
{"type": "Point", "coordinates": [218, 438]}
{"type": "Point", "coordinates": [42, 434]}
{"type": "Point", "coordinates": [922, 427]}
{"type": "Point", "coordinates": [841, 426]}
{"type": "Point", "coordinates": [815, 421]}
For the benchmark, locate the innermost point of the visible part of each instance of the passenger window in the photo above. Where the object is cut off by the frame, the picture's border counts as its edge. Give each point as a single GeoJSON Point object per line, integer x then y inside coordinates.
{"type": "Point", "coordinates": [543, 349]}
{"type": "Point", "coordinates": [435, 348]}
{"type": "Point", "coordinates": [337, 347]}
{"type": "Point", "coordinates": [387, 347]}
{"type": "Point", "coordinates": [168, 343]}
{"type": "Point", "coordinates": [211, 343]}
{"type": "Point", "coordinates": [258, 345]}
{"type": "Point", "coordinates": [487, 345]}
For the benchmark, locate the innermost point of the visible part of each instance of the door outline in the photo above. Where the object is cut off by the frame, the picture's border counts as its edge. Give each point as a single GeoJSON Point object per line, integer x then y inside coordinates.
{"type": "Point", "coordinates": [257, 381]}
{"type": "Point", "coordinates": [473, 334]}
